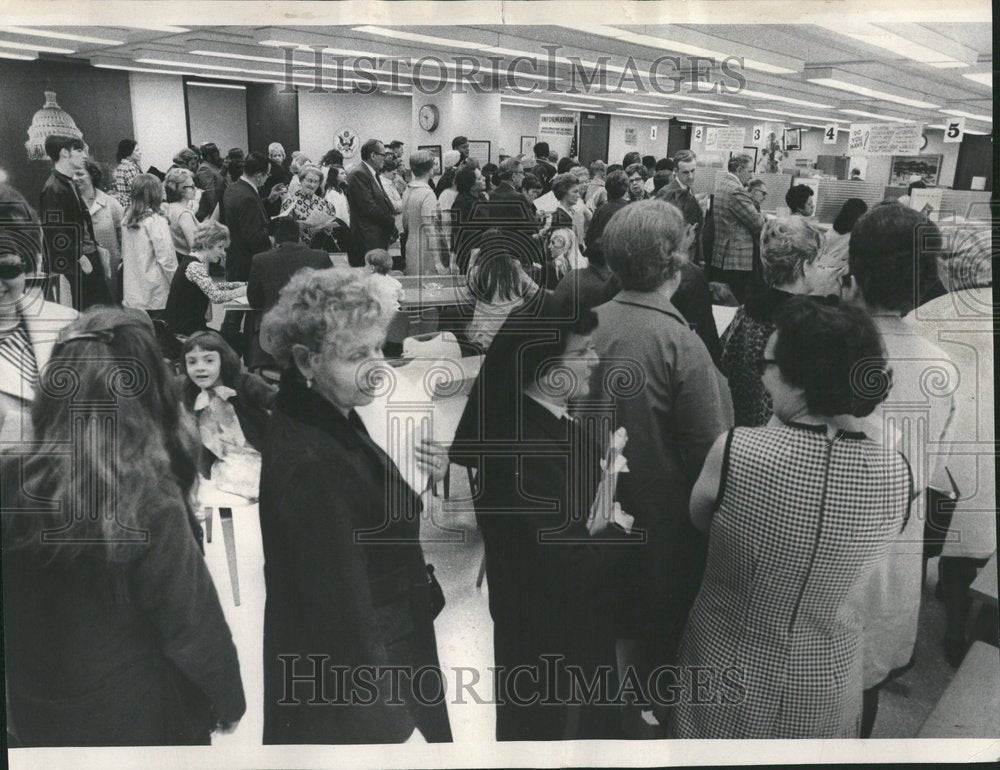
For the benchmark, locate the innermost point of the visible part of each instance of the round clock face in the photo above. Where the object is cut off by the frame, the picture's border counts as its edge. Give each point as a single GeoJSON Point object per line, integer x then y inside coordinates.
{"type": "Point", "coordinates": [923, 141]}
{"type": "Point", "coordinates": [428, 117]}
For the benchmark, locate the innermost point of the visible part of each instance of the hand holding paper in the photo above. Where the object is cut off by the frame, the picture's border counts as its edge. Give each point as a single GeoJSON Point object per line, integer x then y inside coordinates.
{"type": "Point", "coordinates": [604, 510]}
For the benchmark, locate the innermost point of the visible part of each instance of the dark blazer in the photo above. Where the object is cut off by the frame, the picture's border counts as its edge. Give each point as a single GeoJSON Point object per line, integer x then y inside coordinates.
{"type": "Point", "coordinates": [552, 585]}
{"type": "Point", "coordinates": [60, 199]}
{"type": "Point", "coordinates": [345, 578]}
{"type": "Point", "coordinates": [586, 288]}
{"type": "Point", "coordinates": [187, 304]}
{"type": "Point", "coordinates": [691, 209]}
{"type": "Point", "coordinates": [248, 228]}
{"type": "Point", "coordinates": [373, 220]}
{"type": "Point", "coordinates": [600, 220]}
{"type": "Point", "coordinates": [693, 299]}
{"type": "Point", "coordinates": [279, 175]}
{"type": "Point", "coordinates": [252, 403]}
{"type": "Point", "coordinates": [544, 172]}
{"type": "Point", "coordinates": [141, 656]}
{"type": "Point", "coordinates": [271, 270]}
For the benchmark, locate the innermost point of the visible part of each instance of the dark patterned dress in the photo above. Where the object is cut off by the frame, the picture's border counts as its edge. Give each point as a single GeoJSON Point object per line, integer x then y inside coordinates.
{"type": "Point", "coordinates": [742, 348]}
{"type": "Point", "coordinates": [801, 520]}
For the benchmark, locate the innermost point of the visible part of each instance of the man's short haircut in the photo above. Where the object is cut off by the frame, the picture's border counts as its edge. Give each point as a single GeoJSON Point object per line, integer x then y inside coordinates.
{"type": "Point", "coordinates": [684, 156]}
{"type": "Point", "coordinates": [662, 179]}
{"type": "Point", "coordinates": [797, 196]}
{"type": "Point", "coordinates": [630, 158]}
{"type": "Point", "coordinates": [125, 148]}
{"type": "Point", "coordinates": [369, 148]}
{"type": "Point", "coordinates": [508, 168]}
{"type": "Point", "coordinates": [616, 183]}
{"type": "Point", "coordinates": [465, 179]}
{"type": "Point", "coordinates": [395, 143]}
{"type": "Point", "coordinates": [753, 184]}
{"type": "Point", "coordinates": [665, 164]}
{"type": "Point", "coordinates": [256, 163]}
{"type": "Point", "coordinates": [737, 162]}
{"type": "Point", "coordinates": [649, 161]}
{"type": "Point", "coordinates": [531, 182]}
{"type": "Point", "coordinates": [287, 230]}
{"type": "Point", "coordinates": [541, 150]}
{"type": "Point", "coordinates": [55, 144]}
{"type": "Point", "coordinates": [598, 167]}
{"type": "Point", "coordinates": [458, 141]}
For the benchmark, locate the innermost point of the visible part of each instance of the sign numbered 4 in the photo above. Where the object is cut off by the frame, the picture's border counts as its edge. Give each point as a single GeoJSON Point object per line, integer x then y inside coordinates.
{"type": "Point", "coordinates": [830, 134]}
{"type": "Point", "coordinates": [954, 130]}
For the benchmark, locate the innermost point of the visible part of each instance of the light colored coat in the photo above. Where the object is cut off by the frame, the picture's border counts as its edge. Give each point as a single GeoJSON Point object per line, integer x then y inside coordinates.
{"type": "Point", "coordinates": [737, 225]}
{"type": "Point", "coordinates": [421, 222]}
{"type": "Point", "coordinates": [148, 262]}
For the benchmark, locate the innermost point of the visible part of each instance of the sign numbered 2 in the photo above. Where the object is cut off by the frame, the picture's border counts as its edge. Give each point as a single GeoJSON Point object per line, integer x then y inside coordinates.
{"type": "Point", "coordinates": [954, 130]}
{"type": "Point", "coordinates": [699, 133]}
{"type": "Point", "coordinates": [830, 134]}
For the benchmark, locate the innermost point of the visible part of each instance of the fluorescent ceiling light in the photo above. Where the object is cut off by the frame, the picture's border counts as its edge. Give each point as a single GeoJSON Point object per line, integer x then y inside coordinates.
{"type": "Point", "coordinates": [522, 104]}
{"type": "Point", "coordinates": [855, 85]}
{"type": "Point", "coordinates": [32, 32]}
{"type": "Point", "coordinates": [905, 48]}
{"type": "Point", "coordinates": [969, 115]}
{"type": "Point", "coordinates": [275, 60]}
{"type": "Point", "coordinates": [161, 28]}
{"type": "Point", "coordinates": [545, 100]}
{"type": "Point", "coordinates": [18, 56]}
{"type": "Point", "coordinates": [864, 114]}
{"type": "Point", "coordinates": [34, 47]}
{"type": "Point", "coordinates": [264, 73]}
{"type": "Point", "coordinates": [721, 112]}
{"type": "Point", "coordinates": [983, 78]}
{"type": "Point", "coordinates": [785, 99]}
{"type": "Point", "coordinates": [217, 85]}
{"type": "Point", "coordinates": [798, 115]}
{"type": "Point", "coordinates": [674, 45]}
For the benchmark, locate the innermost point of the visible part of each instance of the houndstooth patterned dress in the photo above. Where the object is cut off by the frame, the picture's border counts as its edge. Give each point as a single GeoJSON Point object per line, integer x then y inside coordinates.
{"type": "Point", "coordinates": [800, 520]}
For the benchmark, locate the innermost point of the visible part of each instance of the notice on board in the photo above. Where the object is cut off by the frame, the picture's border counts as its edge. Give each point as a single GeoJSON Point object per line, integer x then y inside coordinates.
{"type": "Point", "coordinates": [730, 138]}
{"type": "Point", "coordinates": [885, 139]}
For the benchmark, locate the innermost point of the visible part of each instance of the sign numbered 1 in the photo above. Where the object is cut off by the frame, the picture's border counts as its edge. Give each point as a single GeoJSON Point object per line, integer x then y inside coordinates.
{"type": "Point", "coordinates": [699, 133]}
{"type": "Point", "coordinates": [758, 134]}
{"type": "Point", "coordinates": [830, 134]}
{"type": "Point", "coordinates": [954, 129]}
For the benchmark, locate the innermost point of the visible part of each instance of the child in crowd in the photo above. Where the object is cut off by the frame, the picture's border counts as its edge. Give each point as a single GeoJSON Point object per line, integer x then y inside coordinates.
{"type": "Point", "coordinates": [231, 408]}
{"type": "Point", "coordinates": [389, 289]}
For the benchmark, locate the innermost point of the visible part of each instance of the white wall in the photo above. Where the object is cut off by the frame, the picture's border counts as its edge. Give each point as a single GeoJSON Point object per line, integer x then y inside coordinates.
{"type": "Point", "coordinates": [516, 122]}
{"type": "Point", "coordinates": [158, 116]}
{"type": "Point", "coordinates": [323, 116]}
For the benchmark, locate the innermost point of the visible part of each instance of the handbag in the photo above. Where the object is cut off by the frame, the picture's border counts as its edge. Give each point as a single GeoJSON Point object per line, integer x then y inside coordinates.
{"type": "Point", "coordinates": [436, 592]}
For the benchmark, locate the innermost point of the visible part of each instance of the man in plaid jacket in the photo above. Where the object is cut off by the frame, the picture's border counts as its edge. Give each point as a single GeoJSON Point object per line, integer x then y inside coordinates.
{"type": "Point", "coordinates": [737, 225]}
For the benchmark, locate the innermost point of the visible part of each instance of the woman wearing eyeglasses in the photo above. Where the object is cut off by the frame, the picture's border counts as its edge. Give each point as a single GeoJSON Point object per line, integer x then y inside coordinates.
{"type": "Point", "coordinates": [798, 515]}
{"type": "Point", "coordinates": [114, 635]}
{"type": "Point", "coordinates": [28, 324]}
{"type": "Point", "coordinates": [790, 255]}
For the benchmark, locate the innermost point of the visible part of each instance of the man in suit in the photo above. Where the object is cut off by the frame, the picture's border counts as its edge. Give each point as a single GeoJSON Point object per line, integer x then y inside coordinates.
{"type": "Point", "coordinates": [271, 270]}
{"type": "Point", "coordinates": [248, 234]}
{"type": "Point", "coordinates": [543, 169]}
{"type": "Point", "coordinates": [737, 225]}
{"type": "Point", "coordinates": [679, 193]}
{"type": "Point", "coordinates": [509, 210]}
{"type": "Point", "coordinates": [616, 186]}
{"type": "Point", "coordinates": [277, 182]}
{"type": "Point", "coordinates": [373, 219]}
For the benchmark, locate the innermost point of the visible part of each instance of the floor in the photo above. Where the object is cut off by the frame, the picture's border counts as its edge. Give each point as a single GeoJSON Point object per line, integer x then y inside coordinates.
{"type": "Point", "coordinates": [464, 630]}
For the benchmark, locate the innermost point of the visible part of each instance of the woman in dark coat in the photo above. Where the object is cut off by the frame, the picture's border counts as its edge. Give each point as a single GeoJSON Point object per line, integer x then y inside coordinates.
{"type": "Point", "coordinates": [113, 630]}
{"type": "Point", "coordinates": [345, 573]}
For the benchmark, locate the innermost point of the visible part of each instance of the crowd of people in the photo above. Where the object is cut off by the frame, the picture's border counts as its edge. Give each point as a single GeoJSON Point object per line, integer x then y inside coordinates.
{"type": "Point", "coordinates": [654, 499]}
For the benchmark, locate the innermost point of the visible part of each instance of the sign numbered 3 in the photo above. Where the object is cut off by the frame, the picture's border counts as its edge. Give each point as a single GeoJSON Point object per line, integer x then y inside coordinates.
{"type": "Point", "coordinates": [758, 134]}
{"type": "Point", "coordinates": [954, 129]}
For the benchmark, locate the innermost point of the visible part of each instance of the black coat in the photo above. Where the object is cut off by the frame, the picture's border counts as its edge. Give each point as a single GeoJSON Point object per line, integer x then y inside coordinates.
{"type": "Point", "coordinates": [345, 578]}
{"type": "Point", "coordinates": [373, 220]}
{"type": "Point", "coordinates": [601, 218]}
{"type": "Point", "coordinates": [271, 270]}
{"type": "Point", "coordinates": [141, 656]}
{"type": "Point", "coordinates": [187, 304]}
{"type": "Point", "coordinates": [248, 225]}
{"type": "Point", "coordinates": [693, 299]}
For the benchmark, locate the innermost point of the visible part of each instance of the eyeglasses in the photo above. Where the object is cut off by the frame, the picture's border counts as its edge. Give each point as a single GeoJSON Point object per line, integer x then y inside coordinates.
{"type": "Point", "coordinates": [11, 271]}
{"type": "Point", "coordinates": [636, 179]}
{"type": "Point", "coordinates": [380, 153]}
{"type": "Point", "coordinates": [763, 363]}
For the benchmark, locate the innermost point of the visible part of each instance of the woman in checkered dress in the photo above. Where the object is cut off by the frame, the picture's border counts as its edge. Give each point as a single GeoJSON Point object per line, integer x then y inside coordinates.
{"type": "Point", "coordinates": [798, 513]}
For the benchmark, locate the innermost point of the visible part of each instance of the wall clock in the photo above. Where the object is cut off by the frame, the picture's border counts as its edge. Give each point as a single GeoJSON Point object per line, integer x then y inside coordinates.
{"type": "Point", "coordinates": [923, 141]}
{"type": "Point", "coordinates": [429, 117]}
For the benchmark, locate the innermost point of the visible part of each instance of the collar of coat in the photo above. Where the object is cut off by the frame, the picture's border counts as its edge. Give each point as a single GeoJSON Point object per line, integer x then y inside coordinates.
{"type": "Point", "coordinates": [305, 404]}
{"type": "Point", "coordinates": [654, 300]}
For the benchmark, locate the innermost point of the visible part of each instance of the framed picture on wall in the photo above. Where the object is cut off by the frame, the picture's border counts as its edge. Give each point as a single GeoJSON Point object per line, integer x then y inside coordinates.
{"type": "Point", "coordinates": [480, 150]}
{"type": "Point", "coordinates": [435, 150]}
{"type": "Point", "coordinates": [908, 168]}
{"type": "Point", "coordinates": [792, 139]}
{"type": "Point", "coordinates": [527, 145]}
{"type": "Point", "coordinates": [751, 151]}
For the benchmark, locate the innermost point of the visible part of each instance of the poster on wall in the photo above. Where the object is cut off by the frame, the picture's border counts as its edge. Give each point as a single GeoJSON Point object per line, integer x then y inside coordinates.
{"type": "Point", "coordinates": [435, 151]}
{"type": "Point", "coordinates": [480, 150]}
{"type": "Point", "coordinates": [528, 145]}
{"type": "Point", "coordinates": [725, 138]}
{"type": "Point", "coordinates": [928, 201]}
{"type": "Point", "coordinates": [631, 136]}
{"type": "Point", "coordinates": [913, 168]}
{"type": "Point", "coordinates": [885, 138]}
{"type": "Point", "coordinates": [556, 128]}
{"type": "Point", "coordinates": [791, 139]}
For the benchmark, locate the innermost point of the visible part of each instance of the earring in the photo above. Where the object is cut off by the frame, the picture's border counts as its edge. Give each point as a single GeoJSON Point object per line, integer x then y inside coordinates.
{"type": "Point", "coordinates": [309, 382]}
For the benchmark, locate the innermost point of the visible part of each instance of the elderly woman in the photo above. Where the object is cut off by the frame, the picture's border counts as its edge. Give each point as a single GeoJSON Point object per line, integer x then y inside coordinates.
{"type": "Point", "coordinates": [892, 258]}
{"type": "Point", "coordinates": [113, 632]}
{"type": "Point", "coordinates": [308, 202]}
{"type": "Point", "coordinates": [28, 324]}
{"type": "Point", "coordinates": [673, 403]}
{"type": "Point", "coordinates": [470, 185]}
{"type": "Point", "coordinates": [354, 532]}
{"type": "Point", "coordinates": [107, 214]}
{"type": "Point", "coordinates": [791, 257]}
{"type": "Point", "coordinates": [961, 323]}
{"type": "Point", "coordinates": [179, 190]}
{"type": "Point", "coordinates": [798, 513]}
{"type": "Point", "coordinates": [425, 245]}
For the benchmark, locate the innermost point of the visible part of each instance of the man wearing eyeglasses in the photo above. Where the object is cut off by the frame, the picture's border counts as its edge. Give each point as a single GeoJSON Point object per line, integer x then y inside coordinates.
{"type": "Point", "coordinates": [373, 219]}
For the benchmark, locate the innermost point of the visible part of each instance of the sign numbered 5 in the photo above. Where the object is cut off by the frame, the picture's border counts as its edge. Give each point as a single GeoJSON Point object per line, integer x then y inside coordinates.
{"type": "Point", "coordinates": [954, 130]}
{"type": "Point", "coordinates": [830, 134]}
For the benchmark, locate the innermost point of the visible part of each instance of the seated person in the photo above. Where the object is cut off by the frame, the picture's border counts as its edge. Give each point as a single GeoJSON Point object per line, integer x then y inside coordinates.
{"type": "Point", "coordinates": [499, 284]}
{"type": "Point", "coordinates": [231, 408]}
{"type": "Point", "coordinates": [388, 288]}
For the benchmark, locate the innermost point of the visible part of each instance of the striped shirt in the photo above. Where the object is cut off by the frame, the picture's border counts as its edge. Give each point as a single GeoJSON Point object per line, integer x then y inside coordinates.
{"type": "Point", "coordinates": [16, 349]}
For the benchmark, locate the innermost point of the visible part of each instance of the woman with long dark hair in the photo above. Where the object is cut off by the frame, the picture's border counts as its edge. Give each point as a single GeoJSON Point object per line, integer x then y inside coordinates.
{"type": "Point", "coordinates": [113, 630]}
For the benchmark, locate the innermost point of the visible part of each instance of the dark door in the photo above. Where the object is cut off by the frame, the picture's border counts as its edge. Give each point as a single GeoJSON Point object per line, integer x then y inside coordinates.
{"type": "Point", "coordinates": [975, 158]}
{"type": "Point", "coordinates": [595, 130]}
{"type": "Point", "coordinates": [678, 137]}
